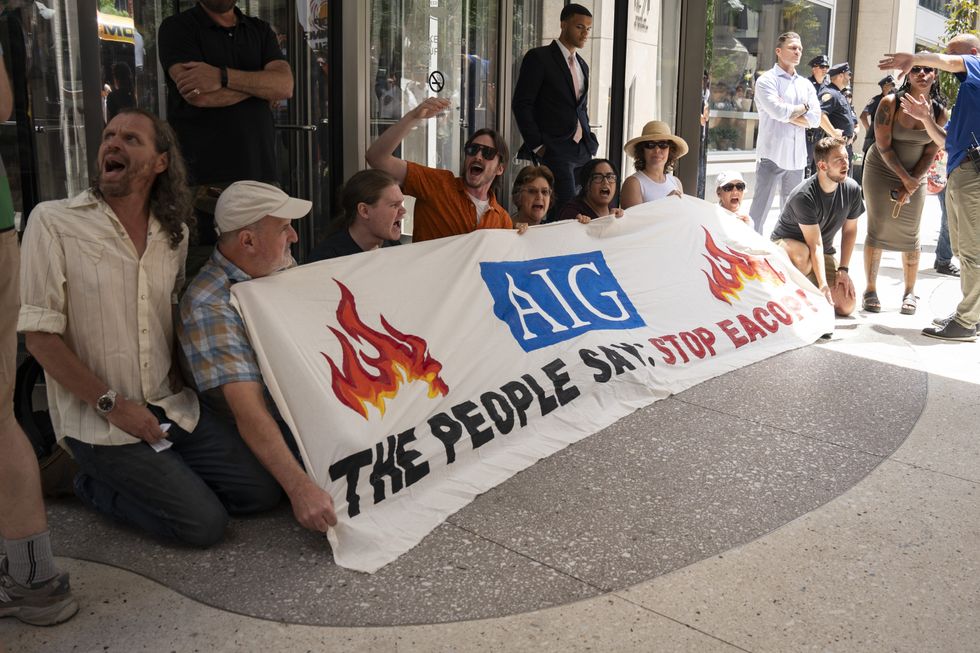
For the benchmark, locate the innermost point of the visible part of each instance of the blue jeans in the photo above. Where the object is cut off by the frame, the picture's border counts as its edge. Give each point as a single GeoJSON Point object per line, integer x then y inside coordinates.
{"type": "Point", "coordinates": [944, 253]}
{"type": "Point", "coordinates": [767, 174]}
{"type": "Point", "coordinates": [184, 493]}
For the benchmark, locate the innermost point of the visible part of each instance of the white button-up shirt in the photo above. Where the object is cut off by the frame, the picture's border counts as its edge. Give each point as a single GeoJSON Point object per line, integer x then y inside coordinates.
{"type": "Point", "coordinates": [777, 94]}
{"type": "Point", "coordinates": [82, 278]}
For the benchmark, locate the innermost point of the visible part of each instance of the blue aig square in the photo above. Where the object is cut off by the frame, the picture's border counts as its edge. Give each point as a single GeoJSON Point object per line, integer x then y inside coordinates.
{"type": "Point", "coordinates": [548, 300]}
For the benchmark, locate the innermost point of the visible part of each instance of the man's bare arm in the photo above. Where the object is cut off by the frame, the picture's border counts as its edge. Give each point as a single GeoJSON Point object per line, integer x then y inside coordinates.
{"type": "Point", "coordinates": [951, 63]}
{"type": "Point", "coordinates": [380, 155]}
{"type": "Point", "coordinates": [828, 128]}
{"type": "Point", "coordinates": [847, 239]}
{"type": "Point", "coordinates": [65, 367]}
{"type": "Point", "coordinates": [814, 242]}
{"type": "Point", "coordinates": [223, 97]}
{"type": "Point", "coordinates": [274, 82]}
{"type": "Point", "coordinates": [865, 119]}
{"type": "Point", "coordinates": [312, 506]}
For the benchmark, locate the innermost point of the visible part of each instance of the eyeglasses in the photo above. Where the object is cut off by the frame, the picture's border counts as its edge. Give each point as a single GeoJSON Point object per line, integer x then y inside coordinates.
{"type": "Point", "coordinates": [473, 148]}
{"type": "Point", "coordinates": [915, 70]}
{"type": "Point", "coordinates": [543, 192]}
{"type": "Point", "coordinates": [649, 145]}
{"type": "Point", "coordinates": [733, 186]}
{"type": "Point", "coordinates": [598, 178]}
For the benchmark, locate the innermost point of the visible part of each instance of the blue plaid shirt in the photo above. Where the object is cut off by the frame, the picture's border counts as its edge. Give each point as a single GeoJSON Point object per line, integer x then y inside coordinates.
{"type": "Point", "coordinates": [211, 332]}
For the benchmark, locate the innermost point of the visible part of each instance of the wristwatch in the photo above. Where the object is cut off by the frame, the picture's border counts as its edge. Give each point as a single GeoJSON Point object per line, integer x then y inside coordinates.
{"type": "Point", "coordinates": [224, 77]}
{"type": "Point", "coordinates": [106, 402]}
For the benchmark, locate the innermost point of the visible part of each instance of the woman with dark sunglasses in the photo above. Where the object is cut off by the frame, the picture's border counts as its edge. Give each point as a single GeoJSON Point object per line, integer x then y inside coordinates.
{"type": "Point", "coordinates": [894, 171]}
{"type": "Point", "coordinates": [655, 153]}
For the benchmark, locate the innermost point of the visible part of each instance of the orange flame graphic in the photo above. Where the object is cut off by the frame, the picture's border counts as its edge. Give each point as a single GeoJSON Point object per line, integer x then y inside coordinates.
{"type": "Point", "coordinates": [730, 271]}
{"type": "Point", "coordinates": [402, 358]}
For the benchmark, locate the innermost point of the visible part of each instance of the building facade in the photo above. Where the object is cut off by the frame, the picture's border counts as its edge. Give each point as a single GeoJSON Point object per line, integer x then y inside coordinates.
{"type": "Point", "coordinates": [359, 65]}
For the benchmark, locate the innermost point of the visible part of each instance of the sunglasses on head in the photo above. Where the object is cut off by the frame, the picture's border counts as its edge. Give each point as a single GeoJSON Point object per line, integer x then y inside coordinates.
{"type": "Point", "coordinates": [921, 69]}
{"type": "Point", "coordinates": [473, 148]}
{"type": "Point", "coordinates": [649, 145]}
{"type": "Point", "coordinates": [732, 186]}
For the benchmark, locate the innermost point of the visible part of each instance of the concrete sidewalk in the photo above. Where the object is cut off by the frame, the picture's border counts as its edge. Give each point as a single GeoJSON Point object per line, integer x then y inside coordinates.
{"type": "Point", "coordinates": [891, 563]}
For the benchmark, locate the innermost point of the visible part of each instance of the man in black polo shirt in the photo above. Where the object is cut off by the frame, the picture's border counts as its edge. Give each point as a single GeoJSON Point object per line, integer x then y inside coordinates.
{"type": "Point", "coordinates": [816, 210]}
{"type": "Point", "coordinates": [223, 70]}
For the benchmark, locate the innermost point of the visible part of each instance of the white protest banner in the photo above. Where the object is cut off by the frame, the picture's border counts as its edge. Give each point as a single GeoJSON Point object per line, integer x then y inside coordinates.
{"type": "Point", "coordinates": [417, 377]}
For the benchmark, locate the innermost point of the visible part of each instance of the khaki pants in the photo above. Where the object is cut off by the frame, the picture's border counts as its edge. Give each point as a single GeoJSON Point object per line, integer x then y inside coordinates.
{"type": "Point", "coordinates": [829, 266]}
{"type": "Point", "coordinates": [9, 307]}
{"type": "Point", "coordinates": [963, 210]}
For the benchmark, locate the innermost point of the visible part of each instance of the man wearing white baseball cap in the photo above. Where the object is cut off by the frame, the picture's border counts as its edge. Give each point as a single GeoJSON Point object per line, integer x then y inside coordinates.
{"type": "Point", "coordinates": [254, 225]}
{"type": "Point", "coordinates": [730, 187]}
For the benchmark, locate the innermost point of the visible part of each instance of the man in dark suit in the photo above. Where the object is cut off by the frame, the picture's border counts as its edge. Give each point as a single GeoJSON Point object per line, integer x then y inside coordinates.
{"type": "Point", "coordinates": [550, 104]}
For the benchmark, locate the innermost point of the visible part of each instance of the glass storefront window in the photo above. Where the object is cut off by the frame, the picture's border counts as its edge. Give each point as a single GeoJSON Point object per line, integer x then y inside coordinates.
{"type": "Point", "coordinates": [52, 73]}
{"type": "Point", "coordinates": [938, 6]}
{"type": "Point", "coordinates": [128, 55]}
{"type": "Point", "coordinates": [433, 48]}
{"type": "Point", "coordinates": [425, 48]}
{"type": "Point", "coordinates": [744, 44]}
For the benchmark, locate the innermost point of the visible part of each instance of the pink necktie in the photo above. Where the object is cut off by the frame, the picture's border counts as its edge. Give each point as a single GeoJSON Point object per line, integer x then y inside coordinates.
{"type": "Point", "coordinates": [578, 92]}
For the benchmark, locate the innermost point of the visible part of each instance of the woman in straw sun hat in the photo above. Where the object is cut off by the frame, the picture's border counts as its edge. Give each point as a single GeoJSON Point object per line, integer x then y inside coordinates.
{"type": "Point", "coordinates": [655, 153]}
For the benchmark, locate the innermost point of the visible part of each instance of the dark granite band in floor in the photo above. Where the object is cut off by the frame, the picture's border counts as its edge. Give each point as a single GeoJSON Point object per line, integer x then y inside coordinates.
{"type": "Point", "coordinates": [674, 483]}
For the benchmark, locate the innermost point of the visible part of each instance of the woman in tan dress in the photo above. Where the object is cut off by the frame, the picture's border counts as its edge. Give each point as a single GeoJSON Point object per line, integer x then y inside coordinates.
{"type": "Point", "coordinates": [894, 171]}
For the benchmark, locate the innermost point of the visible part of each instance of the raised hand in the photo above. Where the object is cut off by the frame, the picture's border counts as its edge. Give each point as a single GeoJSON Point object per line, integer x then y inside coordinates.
{"type": "Point", "coordinates": [897, 61]}
{"type": "Point", "coordinates": [429, 108]}
{"type": "Point", "coordinates": [920, 108]}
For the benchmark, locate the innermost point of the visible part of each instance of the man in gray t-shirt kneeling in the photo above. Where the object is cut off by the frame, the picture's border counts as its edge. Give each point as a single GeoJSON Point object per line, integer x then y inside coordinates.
{"type": "Point", "coordinates": [817, 209]}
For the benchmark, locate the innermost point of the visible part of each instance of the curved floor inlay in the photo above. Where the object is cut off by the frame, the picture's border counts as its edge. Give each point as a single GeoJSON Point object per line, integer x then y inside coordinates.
{"type": "Point", "coordinates": [674, 483]}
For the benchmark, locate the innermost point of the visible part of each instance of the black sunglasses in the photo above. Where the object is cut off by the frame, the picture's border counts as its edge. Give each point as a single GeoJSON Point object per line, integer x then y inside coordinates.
{"type": "Point", "coordinates": [473, 148]}
{"type": "Point", "coordinates": [730, 187]}
{"type": "Point", "coordinates": [649, 145]}
{"type": "Point", "coordinates": [824, 66]}
{"type": "Point", "coordinates": [914, 70]}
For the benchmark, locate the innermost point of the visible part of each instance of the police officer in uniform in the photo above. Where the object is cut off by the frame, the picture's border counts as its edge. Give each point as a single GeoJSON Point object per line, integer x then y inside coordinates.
{"type": "Point", "coordinates": [836, 107]}
{"type": "Point", "coordinates": [819, 66]}
{"type": "Point", "coordinates": [887, 85]}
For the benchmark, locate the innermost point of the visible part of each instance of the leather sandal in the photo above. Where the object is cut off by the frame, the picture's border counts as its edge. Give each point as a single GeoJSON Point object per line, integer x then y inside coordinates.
{"type": "Point", "coordinates": [870, 302]}
{"type": "Point", "coordinates": [909, 304]}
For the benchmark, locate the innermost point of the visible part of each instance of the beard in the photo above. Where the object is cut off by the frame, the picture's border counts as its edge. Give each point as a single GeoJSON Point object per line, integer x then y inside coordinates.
{"type": "Point", "coordinates": [115, 188]}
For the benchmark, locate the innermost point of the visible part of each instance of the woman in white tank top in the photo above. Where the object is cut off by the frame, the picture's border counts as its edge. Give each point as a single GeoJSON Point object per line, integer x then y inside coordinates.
{"type": "Point", "coordinates": [655, 153]}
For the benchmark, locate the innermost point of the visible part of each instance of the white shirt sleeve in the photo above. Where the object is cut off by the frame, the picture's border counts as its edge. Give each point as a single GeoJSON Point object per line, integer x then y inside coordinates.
{"type": "Point", "coordinates": [767, 99]}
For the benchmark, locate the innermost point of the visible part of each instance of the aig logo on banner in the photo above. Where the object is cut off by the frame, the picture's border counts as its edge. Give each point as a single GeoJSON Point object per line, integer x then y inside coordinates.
{"type": "Point", "coordinates": [548, 300]}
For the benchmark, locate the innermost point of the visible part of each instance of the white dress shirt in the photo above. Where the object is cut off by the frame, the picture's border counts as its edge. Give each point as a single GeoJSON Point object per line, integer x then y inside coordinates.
{"type": "Point", "coordinates": [82, 278]}
{"type": "Point", "coordinates": [777, 94]}
{"type": "Point", "coordinates": [579, 78]}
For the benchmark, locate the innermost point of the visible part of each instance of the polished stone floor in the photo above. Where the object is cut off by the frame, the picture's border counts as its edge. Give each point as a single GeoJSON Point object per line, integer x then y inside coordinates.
{"type": "Point", "coordinates": [733, 517]}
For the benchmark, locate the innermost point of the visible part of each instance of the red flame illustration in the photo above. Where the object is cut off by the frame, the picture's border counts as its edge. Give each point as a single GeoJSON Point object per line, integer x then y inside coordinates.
{"type": "Point", "coordinates": [730, 271]}
{"type": "Point", "coordinates": [402, 358]}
